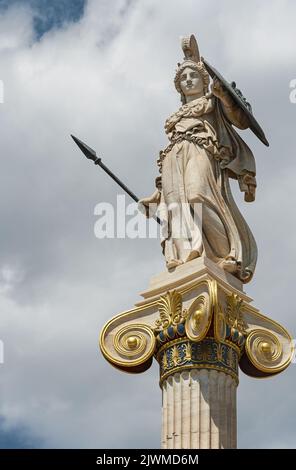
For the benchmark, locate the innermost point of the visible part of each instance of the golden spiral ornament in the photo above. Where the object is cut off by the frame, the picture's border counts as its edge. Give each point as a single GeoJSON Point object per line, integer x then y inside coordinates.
{"type": "Point", "coordinates": [198, 319]}
{"type": "Point", "coordinates": [129, 345]}
{"type": "Point", "coordinates": [265, 351]}
{"type": "Point", "coordinates": [131, 341]}
{"type": "Point", "coordinates": [132, 346]}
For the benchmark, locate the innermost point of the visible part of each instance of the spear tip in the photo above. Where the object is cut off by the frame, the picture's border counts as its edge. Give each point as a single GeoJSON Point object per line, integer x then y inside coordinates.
{"type": "Point", "coordinates": [88, 151]}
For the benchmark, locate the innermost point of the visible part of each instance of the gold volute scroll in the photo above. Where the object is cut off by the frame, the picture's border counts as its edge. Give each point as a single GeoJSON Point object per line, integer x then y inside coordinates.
{"type": "Point", "coordinates": [199, 318]}
{"type": "Point", "coordinates": [266, 353]}
{"type": "Point", "coordinates": [130, 347]}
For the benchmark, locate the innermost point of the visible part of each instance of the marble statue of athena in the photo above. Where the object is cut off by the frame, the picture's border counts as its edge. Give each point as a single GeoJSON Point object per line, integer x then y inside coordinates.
{"type": "Point", "coordinates": [193, 192]}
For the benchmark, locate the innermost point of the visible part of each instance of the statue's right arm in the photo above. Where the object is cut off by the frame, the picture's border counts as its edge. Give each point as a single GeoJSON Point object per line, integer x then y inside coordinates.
{"type": "Point", "coordinates": [148, 205]}
{"type": "Point", "coordinates": [235, 114]}
{"type": "Point", "coordinates": [231, 110]}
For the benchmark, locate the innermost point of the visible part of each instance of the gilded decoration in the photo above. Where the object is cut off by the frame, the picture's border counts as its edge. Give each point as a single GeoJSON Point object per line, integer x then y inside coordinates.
{"type": "Point", "coordinates": [175, 321]}
{"type": "Point", "coordinates": [182, 354]}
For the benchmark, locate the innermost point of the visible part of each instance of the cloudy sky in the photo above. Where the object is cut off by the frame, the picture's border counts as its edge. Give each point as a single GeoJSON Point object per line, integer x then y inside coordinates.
{"type": "Point", "coordinates": [103, 71]}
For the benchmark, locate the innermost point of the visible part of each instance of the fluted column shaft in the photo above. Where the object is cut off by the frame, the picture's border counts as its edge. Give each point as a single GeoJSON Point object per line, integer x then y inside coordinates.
{"type": "Point", "coordinates": [199, 410]}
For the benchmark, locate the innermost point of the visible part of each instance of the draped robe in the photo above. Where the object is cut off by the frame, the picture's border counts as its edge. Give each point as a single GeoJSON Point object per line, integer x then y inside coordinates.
{"type": "Point", "coordinates": [204, 152]}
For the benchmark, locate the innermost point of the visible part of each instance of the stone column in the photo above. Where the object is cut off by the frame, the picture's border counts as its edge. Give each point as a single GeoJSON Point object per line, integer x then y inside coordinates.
{"type": "Point", "coordinates": [200, 407]}
{"type": "Point", "coordinates": [200, 326]}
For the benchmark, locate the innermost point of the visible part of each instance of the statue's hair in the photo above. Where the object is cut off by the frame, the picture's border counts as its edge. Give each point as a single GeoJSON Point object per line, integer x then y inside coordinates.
{"type": "Point", "coordinates": [200, 68]}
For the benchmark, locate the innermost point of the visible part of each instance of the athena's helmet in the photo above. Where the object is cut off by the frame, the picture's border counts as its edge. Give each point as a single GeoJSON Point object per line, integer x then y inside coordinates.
{"type": "Point", "coordinates": [193, 60]}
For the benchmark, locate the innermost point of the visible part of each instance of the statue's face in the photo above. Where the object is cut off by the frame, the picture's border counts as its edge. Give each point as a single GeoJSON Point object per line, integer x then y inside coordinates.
{"type": "Point", "coordinates": [191, 82]}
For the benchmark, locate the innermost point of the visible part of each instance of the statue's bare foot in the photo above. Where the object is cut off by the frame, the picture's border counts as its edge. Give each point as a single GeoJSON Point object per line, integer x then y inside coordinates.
{"type": "Point", "coordinates": [229, 264]}
{"type": "Point", "coordinates": [173, 263]}
{"type": "Point", "coordinates": [192, 255]}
